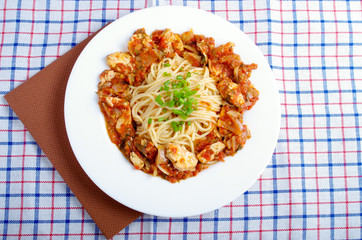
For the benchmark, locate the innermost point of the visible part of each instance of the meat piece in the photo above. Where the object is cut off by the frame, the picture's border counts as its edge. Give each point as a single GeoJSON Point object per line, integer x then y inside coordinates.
{"type": "Point", "coordinates": [137, 161]}
{"type": "Point", "coordinates": [209, 152]}
{"type": "Point", "coordinates": [140, 42]}
{"type": "Point", "coordinates": [181, 158]}
{"type": "Point", "coordinates": [147, 148]}
{"type": "Point", "coordinates": [231, 92]}
{"type": "Point", "coordinates": [195, 59]}
{"type": "Point", "coordinates": [162, 162]}
{"type": "Point", "coordinates": [169, 42]}
{"type": "Point", "coordinates": [121, 62]}
{"type": "Point", "coordinates": [124, 123]}
{"type": "Point", "coordinates": [252, 96]}
{"type": "Point", "coordinates": [147, 58]}
{"type": "Point", "coordinates": [223, 61]}
{"type": "Point", "coordinates": [113, 84]}
{"type": "Point", "coordinates": [230, 121]}
{"type": "Point", "coordinates": [118, 114]}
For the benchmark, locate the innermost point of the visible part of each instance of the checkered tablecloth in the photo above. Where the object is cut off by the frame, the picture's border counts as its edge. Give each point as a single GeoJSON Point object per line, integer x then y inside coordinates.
{"type": "Point", "coordinates": [312, 188]}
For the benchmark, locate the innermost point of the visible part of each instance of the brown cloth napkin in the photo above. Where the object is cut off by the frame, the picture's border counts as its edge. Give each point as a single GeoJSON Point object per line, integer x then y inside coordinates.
{"type": "Point", "coordinates": [39, 104]}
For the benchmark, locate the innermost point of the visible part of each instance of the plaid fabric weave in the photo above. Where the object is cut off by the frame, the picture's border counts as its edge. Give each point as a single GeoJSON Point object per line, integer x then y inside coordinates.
{"type": "Point", "coordinates": [312, 188]}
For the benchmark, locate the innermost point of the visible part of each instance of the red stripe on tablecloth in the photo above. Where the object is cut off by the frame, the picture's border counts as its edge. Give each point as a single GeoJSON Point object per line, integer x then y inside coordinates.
{"type": "Point", "coordinates": [26, 155]}
{"type": "Point", "coordinates": [118, 8]}
{"type": "Point", "coordinates": [314, 56]}
{"type": "Point", "coordinates": [318, 79]}
{"type": "Point", "coordinates": [200, 228]}
{"type": "Point", "coordinates": [24, 135]}
{"type": "Point", "coordinates": [82, 226]}
{"type": "Point", "coordinates": [301, 104]}
{"type": "Point", "coordinates": [342, 121]}
{"type": "Point", "coordinates": [15, 182]}
{"type": "Point", "coordinates": [231, 221]}
{"type": "Point", "coordinates": [3, 33]}
{"type": "Point", "coordinates": [300, 203]}
{"type": "Point", "coordinates": [90, 17]}
{"type": "Point", "coordinates": [190, 233]}
{"type": "Point", "coordinates": [255, 24]}
{"type": "Point", "coordinates": [141, 227]}
{"type": "Point", "coordinates": [261, 207]}
{"type": "Point", "coordinates": [267, 55]}
{"type": "Point", "coordinates": [286, 121]}
{"type": "Point", "coordinates": [22, 184]}
{"type": "Point", "coordinates": [301, 178]}
{"type": "Point", "coordinates": [41, 208]}
{"type": "Point", "coordinates": [227, 10]}
{"type": "Point", "coordinates": [53, 173]}
{"type": "Point", "coordinates": [75, 10]}
{"type": "Point", "coordinates": [319, 152]}
{"type": "Point", "coordinates": [248, 231]}
{"type": "Point", "coordinates": [52, 208]}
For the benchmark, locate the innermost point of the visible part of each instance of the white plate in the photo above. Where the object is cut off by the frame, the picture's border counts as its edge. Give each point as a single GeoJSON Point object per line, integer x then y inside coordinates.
{"type": "Point", "coordinates": [108, 168]}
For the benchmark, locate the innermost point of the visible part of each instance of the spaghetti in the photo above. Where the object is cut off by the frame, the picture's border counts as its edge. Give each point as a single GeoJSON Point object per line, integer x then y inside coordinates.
{"type": "Point", "coordinates": [154, 122]}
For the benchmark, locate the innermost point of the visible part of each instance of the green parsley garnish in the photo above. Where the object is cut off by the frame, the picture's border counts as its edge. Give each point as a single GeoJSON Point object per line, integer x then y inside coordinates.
{"type": "Point", "coordinates": [159, 100]}
{"type": "Point", "coordinates": [149, 120]}
{"type": "Point", "coordinates": [177, 126]}
{"type": "Point", "coordinates": [179, 77]}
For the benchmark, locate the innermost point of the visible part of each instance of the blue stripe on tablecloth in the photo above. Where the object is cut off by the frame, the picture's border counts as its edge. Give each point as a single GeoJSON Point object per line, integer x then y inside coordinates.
{"type": "Point", "coordinates": [325, 91]}
{"type": "Point", "coordinates": [244, 218]}
{"type": "Point", "coordinates": [12, 117]}
{"type": "Point", "coordinates": [274, 159]}
{"type": "Point", "coordinates": [131, 7]}
{"type": "Point", "coordinates": [216, 223]}
{"type": "Point", "coordinates": [184, 228]}
{"type": "Point", "coordinates": [10, 127]}
{"type": "Point", "coordinates": [104, 10]}
{"type": "Point", "coordinates": [226, 219]}
{"type": "Point", "coordinates": [126, 232]}
{"type": "Point", "coordinates": [37, 194]}
{"type": "Point", "coordinates": [312, 165]}
{"type": "Point", "coordinates": [275, 67]}
{"type": "Point", "coordinates": [45, 42]}
{"type": "Point", "coordinates": [246, 214]}
{"type": "Point", "coordinates": [75, 26]}
{"type": "Point", "coordinates": [97, 232]}
{"type": "Point", "coordinates": [25, 44]}
{"type": "Point", "coordinates": [154, 229]}
{"type": "Point", "coordinates": [25, 169]}
{"type": "Point", "coordinates": [320, 115]}
{"type": "Point", "coordinates": [275, 197]}
{"type": "Point", "coordinates": [47, 221]}
{"type": "Point", "coordinates": [67, 212]}
{"type": "Point", "coordinates": [17, 143]}
{"type": "Point", "coordinates": [357, 120]}
{"type": "Point", "coordinates": [328, 139]}
{"type": "Point", "coordinates": [105, 20]}
{"type": "Point", "coordinates": [300, 120]}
